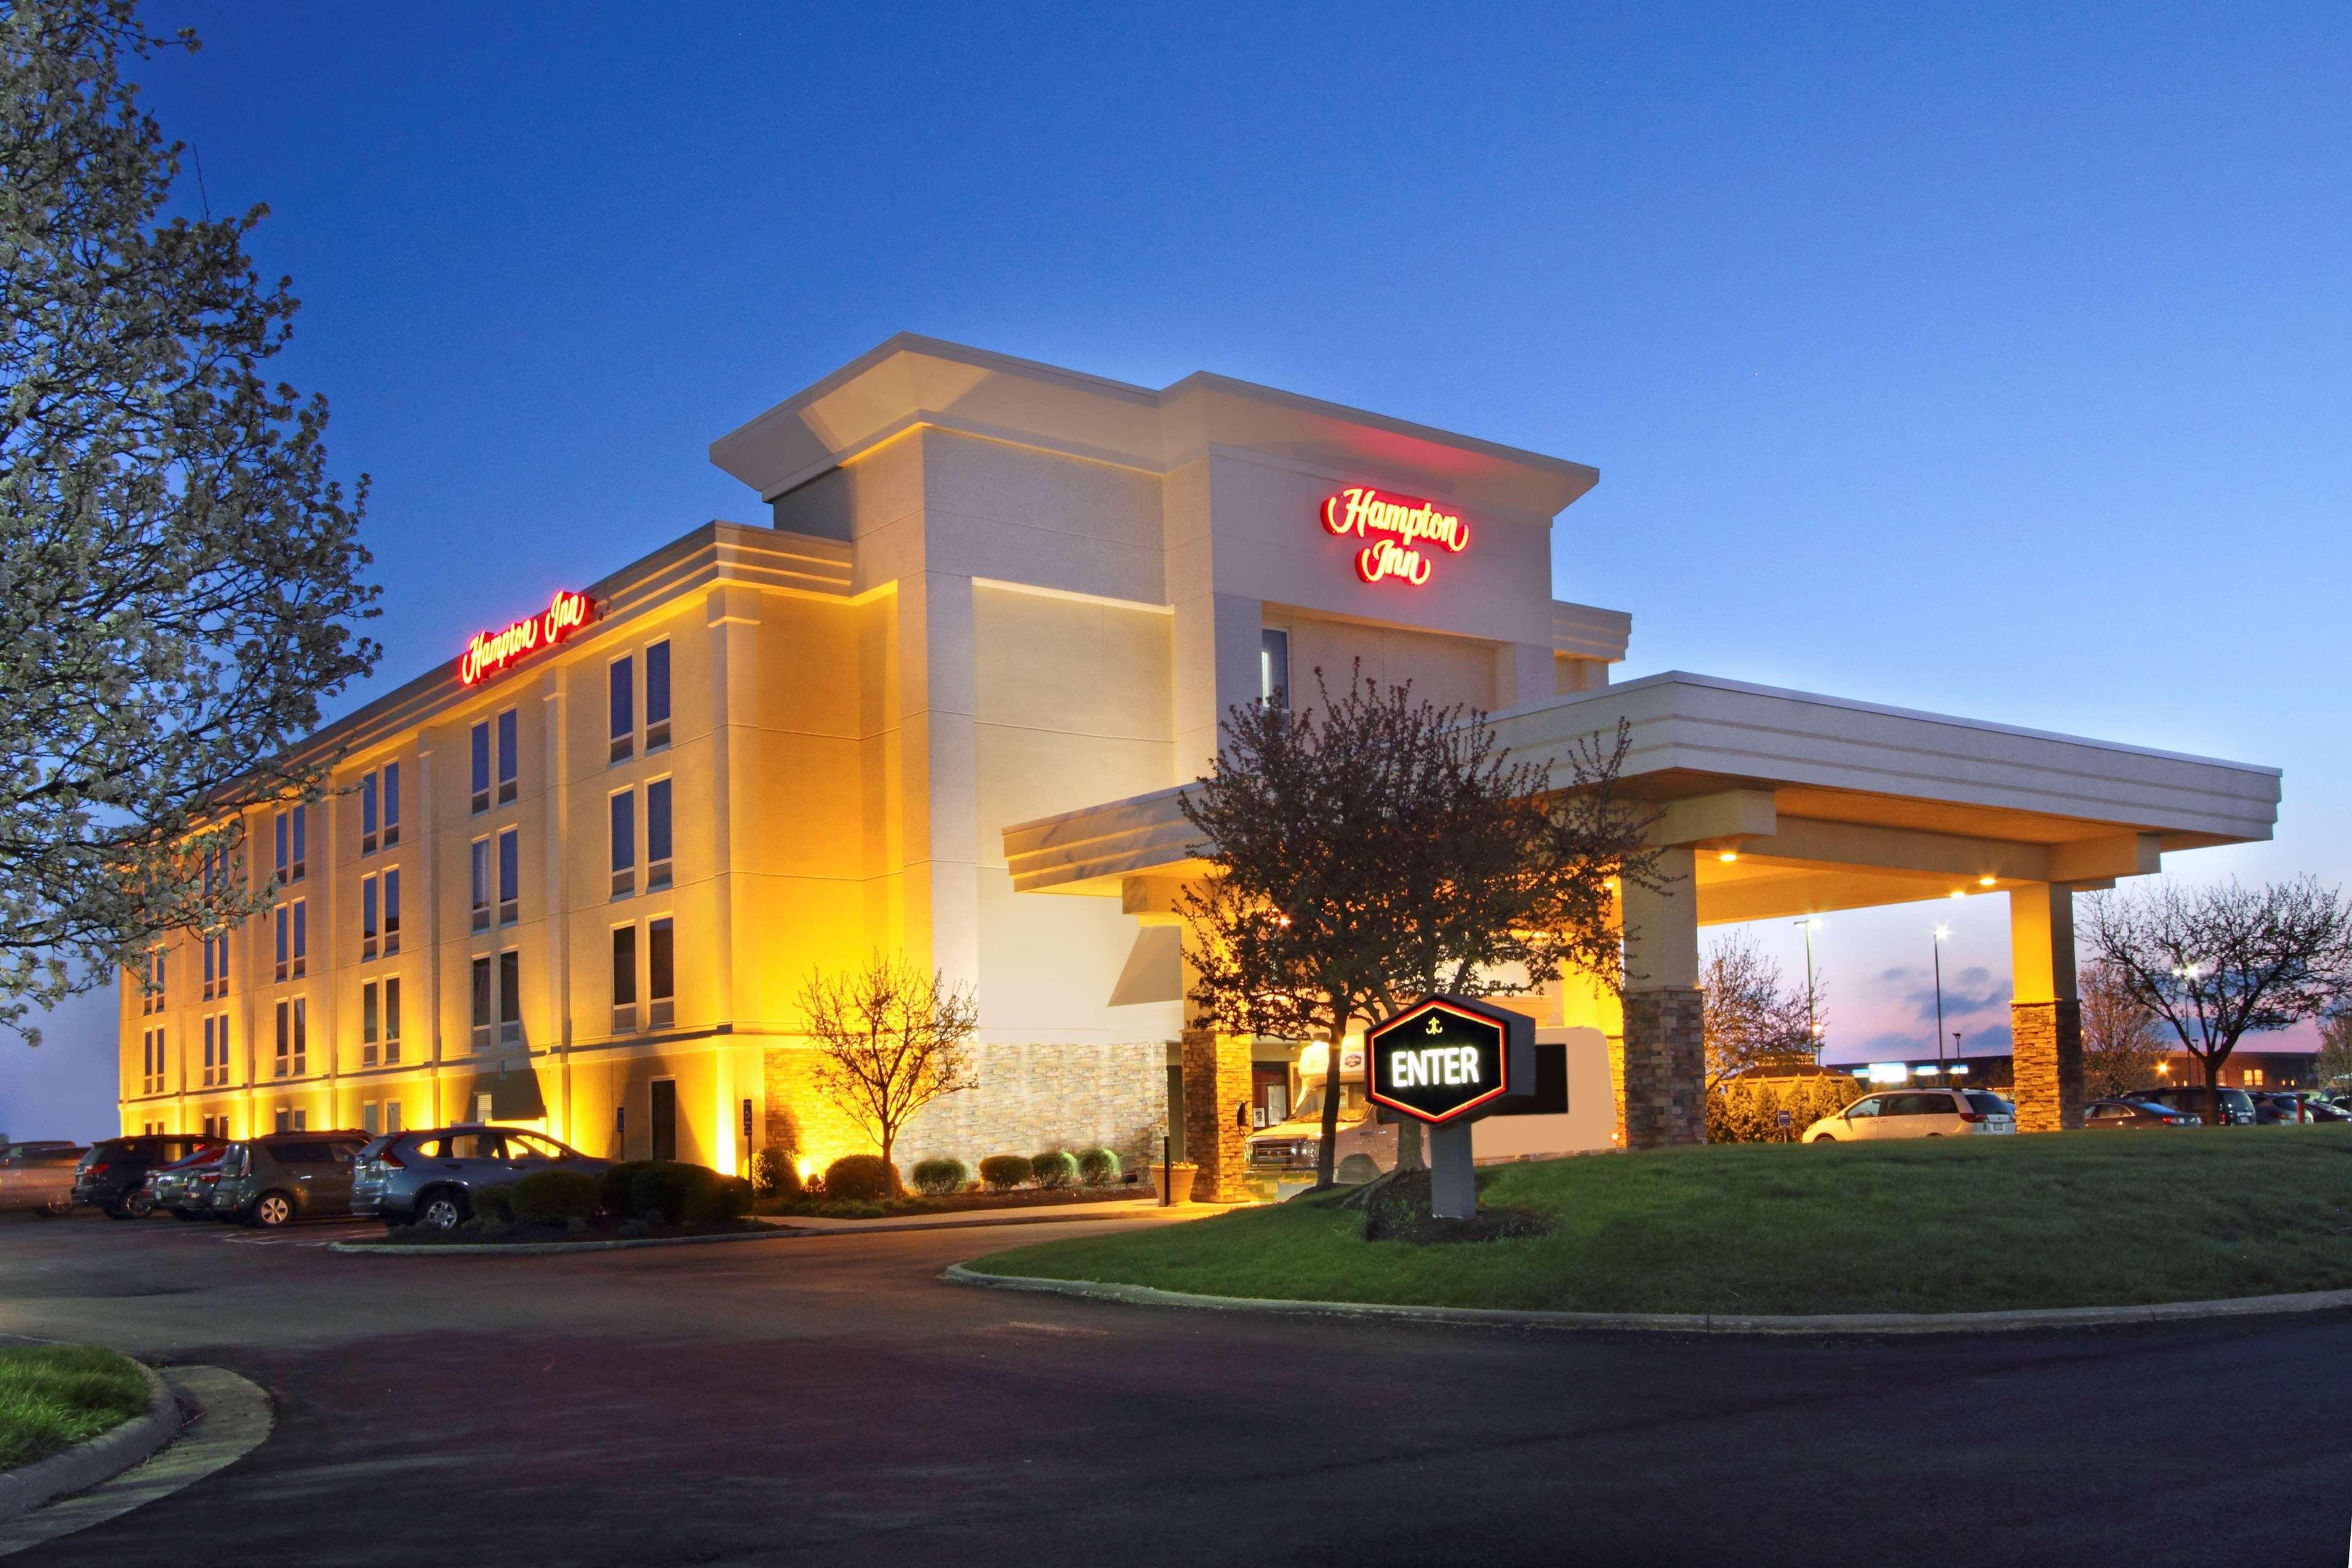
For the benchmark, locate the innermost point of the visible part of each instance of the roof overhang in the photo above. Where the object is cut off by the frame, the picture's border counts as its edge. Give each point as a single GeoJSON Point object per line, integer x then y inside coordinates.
{"type": "Point", "coordinates": [1807, 802]}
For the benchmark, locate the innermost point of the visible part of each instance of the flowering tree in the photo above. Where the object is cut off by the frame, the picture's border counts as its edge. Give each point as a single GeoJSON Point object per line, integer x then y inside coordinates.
{"type": "Point", "coordinates": [1372, 848]}
{"type": "Point", "coordinates": [1752, 1020]}
{"type": "Point", "coordinates": [179, 578]}
{"type": "Point", "coordinates": [890, 1038]}
{"type": "Point", "coordinates": [2121, 1044]}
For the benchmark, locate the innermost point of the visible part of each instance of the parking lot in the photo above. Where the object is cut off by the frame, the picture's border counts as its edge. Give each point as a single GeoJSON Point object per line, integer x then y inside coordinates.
{"type": "Point", "coordinates": [827, 1400]}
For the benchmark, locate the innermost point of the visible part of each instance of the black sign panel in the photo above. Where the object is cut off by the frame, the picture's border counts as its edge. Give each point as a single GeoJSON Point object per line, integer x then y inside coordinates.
{"type": "Point", "coordinates": [1448, 1059]}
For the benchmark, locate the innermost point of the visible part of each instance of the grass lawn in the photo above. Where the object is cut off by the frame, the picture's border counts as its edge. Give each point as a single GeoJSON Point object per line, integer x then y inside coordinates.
{"type": "Point", "coordinates": [53, 1396]}
{"type": "Point", "coordinates": [1938, 1225]}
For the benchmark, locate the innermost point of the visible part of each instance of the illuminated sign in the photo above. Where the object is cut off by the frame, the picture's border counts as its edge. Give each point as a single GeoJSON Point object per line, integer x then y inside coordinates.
{"type": "Point", "coordinates": [490, 652]}
{"type": "Point", "coordinates": [1401, 534]}
{"type": "Point", "coordinates": [1446, 1059]}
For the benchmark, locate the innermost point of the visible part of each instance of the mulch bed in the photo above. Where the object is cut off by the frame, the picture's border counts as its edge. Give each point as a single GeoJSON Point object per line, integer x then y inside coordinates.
{"type": "Point", "coordinates": [1398, 1210]}
{"type": "Point", "coordinates": [1021, 1198]}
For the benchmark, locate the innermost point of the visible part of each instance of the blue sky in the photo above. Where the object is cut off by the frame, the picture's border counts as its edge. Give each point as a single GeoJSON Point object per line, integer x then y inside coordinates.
{"type": "Point", "coordinates": [1986, 360]}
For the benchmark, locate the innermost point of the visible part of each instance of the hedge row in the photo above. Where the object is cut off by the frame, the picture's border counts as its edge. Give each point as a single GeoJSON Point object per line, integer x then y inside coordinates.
{"type": "Point", "coordinates": [865, 1178]}
{"type": "Point", "coordinates": [1747, 1111]}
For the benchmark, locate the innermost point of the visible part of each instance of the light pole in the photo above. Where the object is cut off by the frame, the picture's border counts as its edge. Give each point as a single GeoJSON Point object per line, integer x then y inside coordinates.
{"type": "Point", "coordinates": [1941, 932]}
{"type": "Point", "coordinates": [1812, 1028]}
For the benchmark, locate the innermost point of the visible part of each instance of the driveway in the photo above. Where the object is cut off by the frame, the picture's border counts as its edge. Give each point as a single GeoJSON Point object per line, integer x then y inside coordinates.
{"type": "Point", "coordinates": [827, 1401]}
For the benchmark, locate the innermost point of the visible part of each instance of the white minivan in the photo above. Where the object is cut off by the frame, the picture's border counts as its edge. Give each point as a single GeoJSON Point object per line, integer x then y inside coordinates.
{"type": "Point", "coordinates": [1916, 1114]}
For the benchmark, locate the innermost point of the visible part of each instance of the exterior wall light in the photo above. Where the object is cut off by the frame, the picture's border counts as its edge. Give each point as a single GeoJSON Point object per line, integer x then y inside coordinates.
{"type": "Point", "coordinates": [1985, 882]}
{"type": "Point", "coordinates": [1728, 855]}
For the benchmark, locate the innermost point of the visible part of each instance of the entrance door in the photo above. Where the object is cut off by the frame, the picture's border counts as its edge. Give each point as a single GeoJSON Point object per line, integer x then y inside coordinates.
{"type": "Point", "coordinates": [1269, 1093]}
{"type": "Point", "coordinates": [663, 1119]}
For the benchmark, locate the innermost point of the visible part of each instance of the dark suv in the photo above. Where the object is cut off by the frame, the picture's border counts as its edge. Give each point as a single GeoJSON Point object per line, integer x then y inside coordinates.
{"type": "Point", "coordinates": [283, 1176]}
{"type": "Point", "coordinates": [2237, 1105]}
{"type": "Point", "coordinates": [112, 1173]}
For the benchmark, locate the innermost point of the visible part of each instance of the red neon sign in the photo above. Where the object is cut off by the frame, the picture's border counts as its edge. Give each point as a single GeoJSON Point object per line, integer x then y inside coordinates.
{"type": "Point", "coordinates": [1394, 528]}
{"type": "Point", "coordinates": [490, 652]}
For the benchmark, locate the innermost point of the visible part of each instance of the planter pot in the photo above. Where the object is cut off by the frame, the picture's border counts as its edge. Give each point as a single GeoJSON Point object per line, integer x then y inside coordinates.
{"type": "Point", "coordinates": [1180, 1180]}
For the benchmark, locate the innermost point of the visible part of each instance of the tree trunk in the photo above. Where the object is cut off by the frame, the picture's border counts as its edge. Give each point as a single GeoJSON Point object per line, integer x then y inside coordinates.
{"type": "Point", "coordinates": [1327, 1151]}
{"type": "Point", "coordinates": [897, 1188]}
{"type": "Point", "coordinates": [1409, 1156]}
{"type": "Point", "coordinates": [2213, 1093]}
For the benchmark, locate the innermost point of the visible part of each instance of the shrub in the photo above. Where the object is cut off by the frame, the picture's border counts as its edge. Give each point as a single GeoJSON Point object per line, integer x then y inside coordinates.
{"type": "Point", "coordinates": [774, 1174]}
{"type": "Point", "coordinates": [938, 1178]}
{"type": "Point", "coordinates": [493, 1204]}
{"type": "Point", "coordinates": [552, 1197]}
{"type": "Point", "coordinates": [1052, 1169]}
{"type": "Point", "coordinates": [613, 1184]}
{"type": "Point", "coordinates": [859, 1178]}
{"type": "Point", "coordinates": [671, 1192]}
{"type": "Point", "coordinates": [1003, 1173]}
{"type": "Point", "coordinates": [1098, 1167]}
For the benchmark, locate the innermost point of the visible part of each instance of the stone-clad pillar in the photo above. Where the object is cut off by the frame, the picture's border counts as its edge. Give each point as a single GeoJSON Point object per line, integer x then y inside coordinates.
{"type": "Point", "coordinates": [1216, 1115]}
{"type": "Point", "coordinates": [1664, 1101]}
{"type": "Point", "coordinates": [2045, 1017]}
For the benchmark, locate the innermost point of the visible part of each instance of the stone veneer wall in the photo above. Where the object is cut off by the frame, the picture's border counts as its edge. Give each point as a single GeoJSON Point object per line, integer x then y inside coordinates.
{"type": "Point", "coordinates": [1216, 1115]}
{"type": "Point", "coordinates": [1665, 1095]}
{"type": "Point", "coordinates": [2046, 1059]}
{"type": "Point", "coordinates": [1029, 1097]}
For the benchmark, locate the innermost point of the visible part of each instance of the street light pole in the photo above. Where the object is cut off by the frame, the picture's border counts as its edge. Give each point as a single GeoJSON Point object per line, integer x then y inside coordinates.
{"type": "Point", "coordinates": [1941, 932]}
{"type": "Point", "coordinates": [1812, 1026]}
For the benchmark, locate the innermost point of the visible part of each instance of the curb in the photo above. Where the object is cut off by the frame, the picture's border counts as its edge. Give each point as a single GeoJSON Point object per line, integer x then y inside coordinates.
{"type": "Point", "coordinates": [101, 1459]}
{"type": "Point", "coordinates": [877, 1226]}
{"type": "Point", "coordinates": [1686, 1322]}
{"type": "Point", "coordinates": [552, 1248]}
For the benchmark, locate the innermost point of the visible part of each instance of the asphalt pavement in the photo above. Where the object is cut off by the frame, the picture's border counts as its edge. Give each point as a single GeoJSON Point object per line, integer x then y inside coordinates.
{"type": "Point", "coordinates": [828, 1400]}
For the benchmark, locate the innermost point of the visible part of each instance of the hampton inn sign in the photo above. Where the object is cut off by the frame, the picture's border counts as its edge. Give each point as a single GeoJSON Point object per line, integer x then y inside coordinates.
{"type": "Point", "coordinates": [489, 652]}
{"type": "Point", "coordinates": [1395, 527]}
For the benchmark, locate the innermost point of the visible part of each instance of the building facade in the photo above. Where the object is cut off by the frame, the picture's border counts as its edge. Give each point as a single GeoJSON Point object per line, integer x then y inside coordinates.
{"type": "Point", "coordinates": [940, 703]}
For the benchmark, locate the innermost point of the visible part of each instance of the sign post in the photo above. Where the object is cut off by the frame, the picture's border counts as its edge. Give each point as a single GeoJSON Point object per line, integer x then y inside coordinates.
{"type": "Point", "coordinates": [1447, 1061]}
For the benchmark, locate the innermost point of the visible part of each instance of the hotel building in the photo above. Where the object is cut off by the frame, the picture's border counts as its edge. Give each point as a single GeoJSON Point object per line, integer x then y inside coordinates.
{"type": "Point", "coordinates": [940, 702]}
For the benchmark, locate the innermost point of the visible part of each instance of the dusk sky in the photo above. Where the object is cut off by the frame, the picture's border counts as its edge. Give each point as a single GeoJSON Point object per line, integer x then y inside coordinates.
{"type": "Point", "coordinates": [1997, 364]}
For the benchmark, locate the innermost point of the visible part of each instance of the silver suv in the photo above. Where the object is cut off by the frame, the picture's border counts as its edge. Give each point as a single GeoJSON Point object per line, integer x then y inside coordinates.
{"type": "Point", "coordinates": [429, 1177]}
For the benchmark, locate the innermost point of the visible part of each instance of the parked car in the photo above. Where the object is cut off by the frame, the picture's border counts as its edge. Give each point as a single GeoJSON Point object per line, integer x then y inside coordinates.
{"type": "Point", "coordinates": [115, 1170]}
{"type": "Point", "coordinates": [2317, 1107]}
{"type": "Point", "coordinates": [39, 1176]}
{"type": "Point", "coordinates": [283, 1176]}
{"type": "Point", "coordinates": [429, 1177]}
{"type": "Point", "coordinates": [2237, 1106]}
{"type": "Point", "coordinates": [182, 1187]}
{"type": "Point", "coordinates": [2131, 1113]}
{"type": "Point", "coordinates": [1916, 1114]}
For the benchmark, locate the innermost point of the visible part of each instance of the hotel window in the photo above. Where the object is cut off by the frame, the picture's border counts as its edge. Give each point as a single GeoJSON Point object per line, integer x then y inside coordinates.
{"type": "Point", "coordinates": [293, 843]}
{"type": "Point", "coordinates": [150, 1061]}
{"type": "Point", "coordinates": [661, 978]}
{"type": "Point", "coordinates": [284, 914]}
{"type": "Point", "coordinates": [481, 775]}
{"type": "Point", "coordinates": [216, 1051]}
{"type": "Point", "coordinates": [293, 1121]}
{"type": "Point", "coordinates": [368, 930]}
{"type": "Point", "coordinates": [483, 1005]}
{"type": "Point", "coordinates": [507, 757]}
{"type": "Point", "coordinates": [625, 843]}
{"type": "Point", "coordinates": [1273, 668]}
{"type": "Point", "coordinates": [481, 884]}
{"type": "Point", "coordinates": [624, 979]}
{"type": "Point", "coordinates": [621, 707]}
{"type": "Point", "coordinates": [392, 911]}
{"type": "Point", "coordinates": [390, 794]}
{"type": "Point", "coordinates": [215, 966]}
{"type": "Point", "coordinates": [302, 937]}
{"type": "Point", "coordinates": [367, 813]}
{"type": "Point", "coordinates": [293, 1037]}
{"type": "Point", "coordinates": [657, 834]}
{"type": "Point", "coordinates": [151, 982]}
{"type": "Point", "coordinates": [371, 1118]}
{"type": "Point", "coordinates": [509, 875]}
{"type": "Point", "coordinates": [392, 1021]}
{"type": "Point", "coordinates": [391, 1116]}
{"type": "Point", "coordinates": [205, 1067]}
{"type": "Point", "coordinates": [380, 808]}
{"type": "Point", "coordinates": [510, 997]}
{"type": "Point", "coordinates": [370, 1022]}
{"type": "Point", "coordinates": [657, 696]}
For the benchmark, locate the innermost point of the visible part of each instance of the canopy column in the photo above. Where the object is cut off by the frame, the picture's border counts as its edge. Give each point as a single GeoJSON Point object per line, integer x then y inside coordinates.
{"type": "Point", "coordinates": [2045, 1017]}
{"type": "Point", "coordinates": [1663, 1100]}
